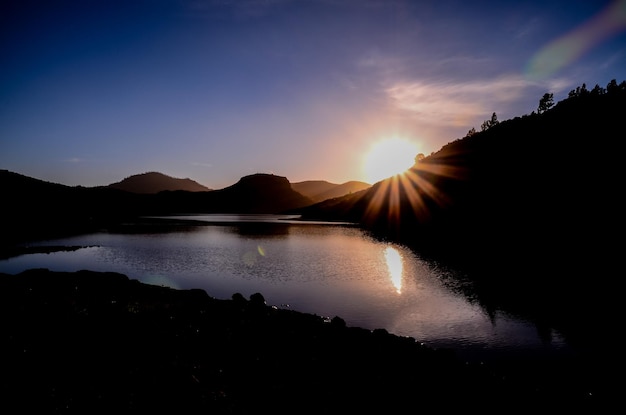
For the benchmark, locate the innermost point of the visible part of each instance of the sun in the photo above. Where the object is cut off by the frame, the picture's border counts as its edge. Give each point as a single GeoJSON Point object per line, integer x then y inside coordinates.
{"type": "Point", "coordinates": [388, 157]}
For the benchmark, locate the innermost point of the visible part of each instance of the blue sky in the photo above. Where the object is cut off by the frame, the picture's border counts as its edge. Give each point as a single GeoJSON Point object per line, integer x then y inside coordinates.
{"type": "Point", "coordinates": [95, 91]}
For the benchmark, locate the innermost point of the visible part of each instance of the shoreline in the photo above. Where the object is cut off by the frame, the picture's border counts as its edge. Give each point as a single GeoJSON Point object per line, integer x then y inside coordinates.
{"type": "Point", "coordinates": [17, 250]}
{"type": "Point", "coordinates": [102, 339]}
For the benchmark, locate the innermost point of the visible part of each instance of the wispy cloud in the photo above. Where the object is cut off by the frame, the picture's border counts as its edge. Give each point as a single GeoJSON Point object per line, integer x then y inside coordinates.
{"type": "Point", "coordinates": [449, 103]}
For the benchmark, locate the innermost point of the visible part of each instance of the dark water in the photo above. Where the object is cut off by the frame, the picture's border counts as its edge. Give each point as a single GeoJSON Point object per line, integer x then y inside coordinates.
{"type": "Point", "coordinates": [327, 269]}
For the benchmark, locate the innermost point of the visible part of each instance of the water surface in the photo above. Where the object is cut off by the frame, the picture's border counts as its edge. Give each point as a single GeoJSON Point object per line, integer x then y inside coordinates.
{"type": "Point", "coordinates": [328, 269]}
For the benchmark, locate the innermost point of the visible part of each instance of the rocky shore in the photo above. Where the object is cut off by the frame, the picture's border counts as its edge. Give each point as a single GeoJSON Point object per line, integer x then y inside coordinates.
{"type": "Point", "coordinates": [89, 342]}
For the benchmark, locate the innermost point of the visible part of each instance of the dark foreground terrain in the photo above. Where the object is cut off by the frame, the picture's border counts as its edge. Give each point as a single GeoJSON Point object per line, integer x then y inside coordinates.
{"type": "Point", "coordinates": [90, 342]}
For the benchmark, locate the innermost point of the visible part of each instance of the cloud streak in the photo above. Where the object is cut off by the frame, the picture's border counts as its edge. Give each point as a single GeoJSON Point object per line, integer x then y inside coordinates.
{"type": "Point", "coordinates": [455, 104]}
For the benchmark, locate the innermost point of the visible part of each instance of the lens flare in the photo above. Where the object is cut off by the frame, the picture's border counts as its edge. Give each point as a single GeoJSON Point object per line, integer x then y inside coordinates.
{"type": "Point", "coordinates": [567, 49]}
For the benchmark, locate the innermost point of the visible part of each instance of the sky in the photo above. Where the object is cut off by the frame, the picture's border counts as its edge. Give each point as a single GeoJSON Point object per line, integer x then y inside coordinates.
{"type": "Point", "coordinates": [95, 91]}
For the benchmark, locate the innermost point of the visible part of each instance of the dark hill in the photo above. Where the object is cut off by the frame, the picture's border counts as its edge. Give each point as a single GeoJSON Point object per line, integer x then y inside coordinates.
{"type": "Point", "coordinates": [257, 193]}
{"type": "Point", "coordinates": [320, 190]}
{"type": "Point", "coordinates": [154, 182]}
{"type": "Point", "coordinates": [555, 174]}
{"type": "Point", "coordinates": [33, 208]}
{"type": "Point", "coordinates": [260, 193]}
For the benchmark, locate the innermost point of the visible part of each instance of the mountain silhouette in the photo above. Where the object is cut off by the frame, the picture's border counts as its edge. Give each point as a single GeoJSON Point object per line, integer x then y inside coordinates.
{"type": "Point", "coordinates": [257, 193]}
{"type": "Point", "coordinates": [320, 190]}
{"type": "Point", "coordinates": [154, 182]}
{"type": "Point", "coordinates": [35, 209]}
{"type": "Point", "coordinates": [264, 193]}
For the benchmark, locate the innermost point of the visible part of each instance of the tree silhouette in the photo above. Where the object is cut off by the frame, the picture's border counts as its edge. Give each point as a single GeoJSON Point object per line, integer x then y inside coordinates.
{"type": "Point", "coordinates": [612, 86]}
{"type": "Point", "coordinates": [598, 90]}
{"type": "Point", "coordinates": [487, 124]}
{"type": "Point", "coordinates": [545, 103]}
{"type": "Point", "coordinates": [494, 119]}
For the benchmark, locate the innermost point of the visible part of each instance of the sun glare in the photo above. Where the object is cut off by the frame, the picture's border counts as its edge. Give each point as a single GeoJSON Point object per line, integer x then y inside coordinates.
{"type": "Point", "coordinates": [387, 158]}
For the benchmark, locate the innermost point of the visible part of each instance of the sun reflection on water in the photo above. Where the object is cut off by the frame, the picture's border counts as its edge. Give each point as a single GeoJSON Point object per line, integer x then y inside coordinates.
{"type": "Point", "coordinates": [394, 265]}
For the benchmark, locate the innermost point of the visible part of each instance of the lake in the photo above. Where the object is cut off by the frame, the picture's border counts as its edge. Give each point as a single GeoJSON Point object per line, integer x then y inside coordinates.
{"type": "Point", "coordinates": [324, 268]}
